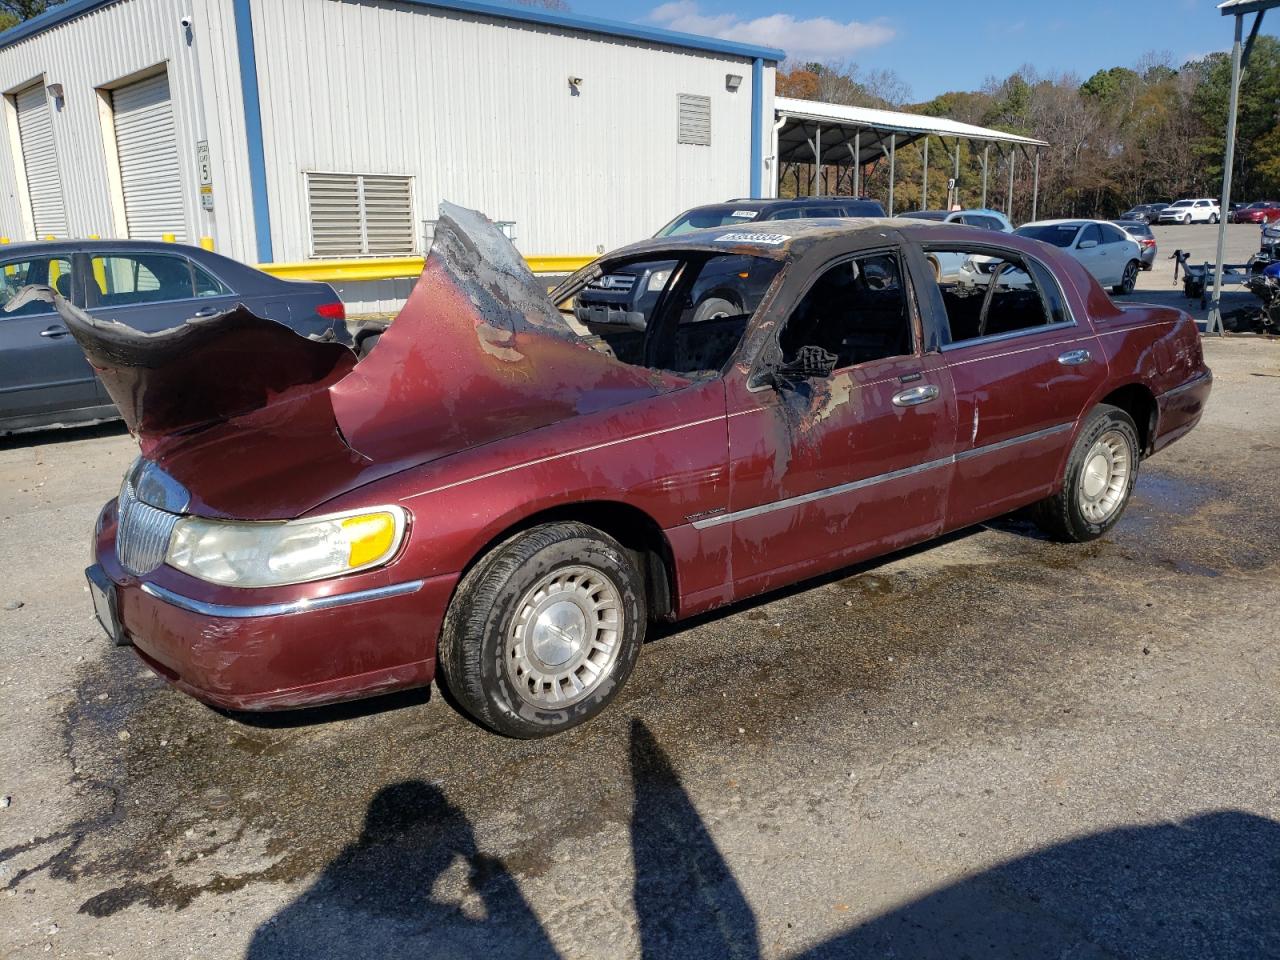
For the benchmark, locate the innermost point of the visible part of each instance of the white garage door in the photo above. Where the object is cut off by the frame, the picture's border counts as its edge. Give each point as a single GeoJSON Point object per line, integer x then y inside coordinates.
{"type": "Point", "coordinates": [40, 157]}
{"type": "Point", "coordinates": [148, 151]}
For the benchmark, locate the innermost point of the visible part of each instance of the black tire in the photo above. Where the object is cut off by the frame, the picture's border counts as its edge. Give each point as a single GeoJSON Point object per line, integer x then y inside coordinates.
{"type": "Point", "coordinates": [1186, 219]}
{"type": "Point", "coordinates": [1213, 218]}
{"type": "Point", "coordinates": [366, 342]}
{"type": "Point", "coordinates": [1062, 515]}
{"type": "Point", "coordinates": [476, 639]}
{"type": "Point", "coordinates": [713, 308]}
{"type": "Point", "coordinates": [1129, 279]}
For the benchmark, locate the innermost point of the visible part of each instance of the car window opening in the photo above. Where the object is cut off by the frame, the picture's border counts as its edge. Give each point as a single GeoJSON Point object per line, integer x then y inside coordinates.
{"type": "Point", "coordinates": [997, 295]}
{"type": "Point", "coordinates": [684, 316]}
{"type": "Point", "coordinates": [857, 312]}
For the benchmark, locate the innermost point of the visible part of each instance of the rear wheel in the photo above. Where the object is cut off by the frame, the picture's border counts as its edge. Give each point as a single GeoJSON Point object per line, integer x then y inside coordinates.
{"type": "Point", "coordinates": [1213, 218]}
{"type": "Point", "coordinates": [1129, 279]}
{"type": "Point", "coordinates": [544, 631]}
{"type": "Point", "coordinates": [1099, 479]}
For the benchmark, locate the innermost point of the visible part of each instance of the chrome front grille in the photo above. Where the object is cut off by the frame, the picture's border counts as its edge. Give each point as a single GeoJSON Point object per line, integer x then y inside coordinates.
{"type": "Point", "coordinates": [142, 536]}
{"type": "Point", "coordinates": [614, 282]}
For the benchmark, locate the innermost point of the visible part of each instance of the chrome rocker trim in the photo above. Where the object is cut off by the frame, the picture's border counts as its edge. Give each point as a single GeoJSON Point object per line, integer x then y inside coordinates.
{"type": "Point", "coordinates": [879, 478]}
{"type": "Point", "coordinates": [239, 612]}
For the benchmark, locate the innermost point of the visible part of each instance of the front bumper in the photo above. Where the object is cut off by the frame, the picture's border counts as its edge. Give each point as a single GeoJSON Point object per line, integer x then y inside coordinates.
{"type": "Point", "coordinates": [279, 648]}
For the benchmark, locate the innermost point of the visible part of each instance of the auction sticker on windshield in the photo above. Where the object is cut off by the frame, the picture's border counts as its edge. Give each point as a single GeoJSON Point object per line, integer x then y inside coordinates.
{"type": "Point", "coordinates": [744, 214]}
{"type": "Point", "coordinates": [773, 239]}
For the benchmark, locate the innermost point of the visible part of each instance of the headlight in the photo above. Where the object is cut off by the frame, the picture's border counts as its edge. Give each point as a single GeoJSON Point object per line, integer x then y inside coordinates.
{"type": "Point", "coordinates": [240, 554]}
{"type": "Point", "coordinates": [658, 280]}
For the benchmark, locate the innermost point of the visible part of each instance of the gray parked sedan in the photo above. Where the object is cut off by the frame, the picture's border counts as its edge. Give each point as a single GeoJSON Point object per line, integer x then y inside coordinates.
{"type": "Point", "coordinates": [44, 378]}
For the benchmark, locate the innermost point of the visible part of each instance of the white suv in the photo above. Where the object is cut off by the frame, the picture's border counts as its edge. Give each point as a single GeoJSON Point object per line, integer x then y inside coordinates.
{"type": "Point", "coordinates": [1204, 210]}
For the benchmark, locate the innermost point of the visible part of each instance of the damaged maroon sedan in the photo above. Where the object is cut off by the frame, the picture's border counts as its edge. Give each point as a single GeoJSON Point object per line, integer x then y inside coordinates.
{"type": "Point", "coordinates": [501, 495]}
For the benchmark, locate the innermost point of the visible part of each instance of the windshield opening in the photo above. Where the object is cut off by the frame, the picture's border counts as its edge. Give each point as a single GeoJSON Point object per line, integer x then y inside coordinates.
{"type": "Point", "coordinates": [684, 315]}
{"type": "Point", "coordinates": [702, 219]}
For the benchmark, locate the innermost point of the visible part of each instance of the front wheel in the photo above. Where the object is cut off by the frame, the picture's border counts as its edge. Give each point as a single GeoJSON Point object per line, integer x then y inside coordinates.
{"type": "Point", "coordinates": [715, 308]}
{"type": "Point", "coordinates": [1186, 219]}
{"type": "Point", "coordinates": [1129, 279]}
{"type": "Point", "coordinates": [544, 631]}
{"type": "Point", "coordinates": [1099, 479]}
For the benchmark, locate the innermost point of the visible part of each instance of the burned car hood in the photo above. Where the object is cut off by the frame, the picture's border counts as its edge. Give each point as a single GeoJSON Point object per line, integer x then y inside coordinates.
{"type": "Point", "coordinates": [260, 422]}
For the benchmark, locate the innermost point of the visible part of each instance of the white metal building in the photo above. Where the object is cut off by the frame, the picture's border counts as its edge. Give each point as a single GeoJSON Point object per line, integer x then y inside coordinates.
{"type": "Point", "coordinates": [287, 130]}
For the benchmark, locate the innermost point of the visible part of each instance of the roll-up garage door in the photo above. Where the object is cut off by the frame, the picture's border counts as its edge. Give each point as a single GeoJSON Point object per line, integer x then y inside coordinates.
{"type": "Point", "coordinates": [40, 157]}
{"type": "Point", "coordinates": [148, 151]}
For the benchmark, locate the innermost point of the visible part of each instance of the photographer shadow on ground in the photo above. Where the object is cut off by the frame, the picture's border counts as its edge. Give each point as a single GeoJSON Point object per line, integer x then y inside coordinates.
{"type": "Point", "coordinates": [1204, 887]}
{"type": "Point", "coordinates": [384, 896]}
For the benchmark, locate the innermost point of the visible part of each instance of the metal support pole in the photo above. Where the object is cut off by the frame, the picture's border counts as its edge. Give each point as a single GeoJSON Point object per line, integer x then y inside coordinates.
{"type": "Point", "coordinates": [924, 188]}
{"type": "Point", "coordinates": [1214, 322]}
{"type": "Point", "coordinates": [1035, 185]}
{"type": "Point", "coordinates": [986, 163]}
{"type": "Point", "coordinates": [817, 159]}
{"type": "Point", "coordinates": [893, 149]}
{"type": "Point", "coordinates": [857, 162]}
{"type": "Point", "coordinates": [1013, 161]}
{"type": "Point", "coordinates": [957, 173]}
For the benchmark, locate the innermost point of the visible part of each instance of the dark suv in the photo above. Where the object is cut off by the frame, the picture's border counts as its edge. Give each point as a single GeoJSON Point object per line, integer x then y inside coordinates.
{"type": "Point", "coordinates": [627, 296]}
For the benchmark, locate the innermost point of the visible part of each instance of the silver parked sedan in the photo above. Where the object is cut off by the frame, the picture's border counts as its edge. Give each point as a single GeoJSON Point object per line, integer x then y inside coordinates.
{"type": "Point", "coordinates": [1140, 233]}
{"type": "Point", "coordinates": [44, 377]}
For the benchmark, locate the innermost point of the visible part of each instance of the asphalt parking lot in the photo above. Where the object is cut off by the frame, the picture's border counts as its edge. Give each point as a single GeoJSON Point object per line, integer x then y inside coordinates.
{"type": "Point", "coordinates": [993, 746]}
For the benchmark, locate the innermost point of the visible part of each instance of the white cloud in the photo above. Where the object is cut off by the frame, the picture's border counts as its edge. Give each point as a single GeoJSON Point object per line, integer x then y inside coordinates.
{"type": "Point", "coordinates": [818, 38]}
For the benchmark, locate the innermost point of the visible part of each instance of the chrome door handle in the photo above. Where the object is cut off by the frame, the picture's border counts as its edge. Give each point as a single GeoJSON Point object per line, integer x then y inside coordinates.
{"type": "Point", "coordinates": [915, 395]}
{"type": "Point", "coordinates": [1073, 358]}
{"type": "Point", "coordinates": [56, 330]}
{"type": "Point", "coordinates": [207, 312]}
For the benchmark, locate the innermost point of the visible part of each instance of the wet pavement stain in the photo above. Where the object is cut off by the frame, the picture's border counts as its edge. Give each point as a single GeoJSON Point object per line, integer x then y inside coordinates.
{"type": "Point", "coordinates": [192, 792]}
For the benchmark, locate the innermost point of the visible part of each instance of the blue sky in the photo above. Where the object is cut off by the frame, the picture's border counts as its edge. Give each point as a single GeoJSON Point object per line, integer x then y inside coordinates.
{"type": "Point", "coordinates": [940, 45]}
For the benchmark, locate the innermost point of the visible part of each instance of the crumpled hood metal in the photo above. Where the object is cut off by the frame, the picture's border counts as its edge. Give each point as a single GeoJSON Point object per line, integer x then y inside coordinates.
{"type": "Point", "coordinates": [478, 353]}
{"type": "Point", "coordinates": [259, 422]}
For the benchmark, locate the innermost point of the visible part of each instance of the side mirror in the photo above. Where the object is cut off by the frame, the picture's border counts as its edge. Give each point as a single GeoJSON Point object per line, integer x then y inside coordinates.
{"type": "Point", "coordinates": [1086, 244]}
{"type": "Point", "coordinates": [810, 362]}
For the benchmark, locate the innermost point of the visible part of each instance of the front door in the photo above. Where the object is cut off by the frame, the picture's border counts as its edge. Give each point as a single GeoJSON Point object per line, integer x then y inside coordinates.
{"type": "Point", "coordinates": [42, 370]}
{"type": "Point", "coordinates": [830, 469]}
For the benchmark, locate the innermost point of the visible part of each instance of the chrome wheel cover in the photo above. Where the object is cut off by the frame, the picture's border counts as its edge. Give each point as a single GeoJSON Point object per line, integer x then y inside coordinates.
{"type": "Point", "coordinates": [1130, 278]}
{"type": "Point", "coordinates": [565, 636]}
{"type": "Point", "coordinates": [1104, 478]}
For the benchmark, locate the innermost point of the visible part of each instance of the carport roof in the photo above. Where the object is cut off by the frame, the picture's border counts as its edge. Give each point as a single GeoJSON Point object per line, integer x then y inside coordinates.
{"type": "Point", "coordinates": [840, 123]}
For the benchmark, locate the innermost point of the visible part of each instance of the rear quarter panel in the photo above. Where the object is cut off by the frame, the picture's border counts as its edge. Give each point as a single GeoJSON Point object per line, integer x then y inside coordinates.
{"type": "Point", "coordinates": [1153, 346]}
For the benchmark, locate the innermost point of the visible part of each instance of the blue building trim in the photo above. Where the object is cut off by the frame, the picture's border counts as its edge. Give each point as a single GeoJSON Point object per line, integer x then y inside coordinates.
{"type": "Point", "coordinates": [253, 129]}
{"type": "Point", "coordinates": [50, 18]}
{"type": "Point", "coordinates": [609, 28]}
{"type": "Point", "coordinates": [757, 126]}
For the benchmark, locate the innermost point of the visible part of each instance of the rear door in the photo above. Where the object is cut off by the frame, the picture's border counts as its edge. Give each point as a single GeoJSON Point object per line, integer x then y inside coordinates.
{"type": "Point", "coordinates": [42, 370]}
{"type": "Point", "coordinates": [153, 290]}
{"type": "Point", "coordinates": [1023, 371]}
{"type": "Point", "coordinates": [1090, 250]}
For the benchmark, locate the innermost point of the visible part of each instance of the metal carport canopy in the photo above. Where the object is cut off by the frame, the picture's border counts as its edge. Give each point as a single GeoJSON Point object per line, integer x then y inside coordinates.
{"type": "Point", "coordinates": [800, 119]}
